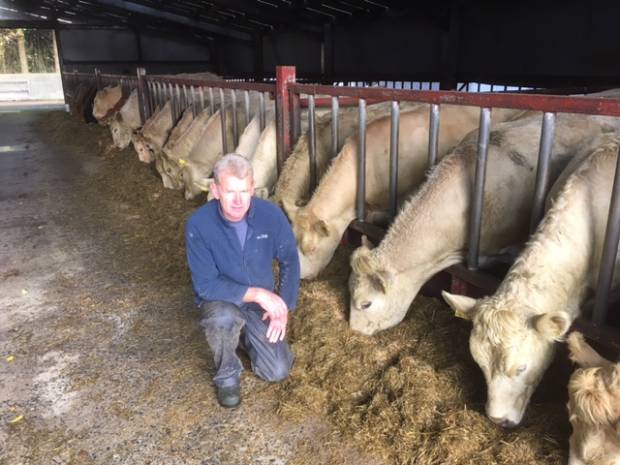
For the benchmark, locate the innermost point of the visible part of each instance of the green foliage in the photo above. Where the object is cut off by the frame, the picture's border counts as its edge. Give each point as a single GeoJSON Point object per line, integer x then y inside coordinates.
{"type": "Point", "coordinates": [39, 50]}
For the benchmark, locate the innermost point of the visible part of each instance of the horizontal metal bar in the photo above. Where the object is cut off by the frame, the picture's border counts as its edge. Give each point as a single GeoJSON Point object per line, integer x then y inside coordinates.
{"type": "Point", "coordinates": [325, 102]}
{"type": "Point", "coordinates": [547, 103]}
{"type": "Point", "coordinates": [261, 87]}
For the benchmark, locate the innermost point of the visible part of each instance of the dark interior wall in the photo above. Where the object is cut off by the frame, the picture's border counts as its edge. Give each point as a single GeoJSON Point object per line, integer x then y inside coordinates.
{"type": "Point", "coordinates": [120, 51]}
{"type": "Point", "coordinates": [289, 48]}
{"type": "Point", "coordinates": [388, 47]}
{"type": "Point", "coordinates": [540, 41]}
{"type": "Point", "coordinates": [235, 57]}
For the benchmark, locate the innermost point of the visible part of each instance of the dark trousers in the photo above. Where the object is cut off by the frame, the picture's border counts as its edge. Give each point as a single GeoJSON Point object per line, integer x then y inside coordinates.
{"type": "Point", "coordinates": [227, 325]}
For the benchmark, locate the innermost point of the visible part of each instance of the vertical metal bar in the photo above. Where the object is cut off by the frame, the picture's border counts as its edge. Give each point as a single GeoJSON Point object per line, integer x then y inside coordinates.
{"type": "Point", "coordinates": [433, 135]}
{"type": "Point", "coordinates": [246, 106]}
{"type": "Point", "coordinates": [610, 250]}
{"type": "Point", "coordinates": [361, 163]}
{"type": "Point", "coordinates": [295, 116]}
{"type": "Point", "coordinates": [394, 136]}
{"type": "Point", "coordinates": [193, 99]}
{"type": "Point", "coordinates": [185, 99]}
{"type": "Point", "coordinates": [312, 142]}
{"type": "Point", "coordinates": [261, 110]}
{"type": "Point", "coordinates": [177, 89]}
{"type": "Point", "coordinates": [542, 170]}
{"type": "Point", "coordinates": [284, 76]}
{"type": "Point", "coordinates": [160, 94]}
{"type": "Point", "coordinates": [477, 197]}
{"type": "Point", "coordinates": [141, 72]}
{"type": "Point", "coordinates": [171, 98]}
{"type": "Point", "coordinates": [201, 93]}
{"type": "Point", "coordinates": [211, 101]}
{"type": "Point", "coordinates": [223, 119]}
{"type": "Point", "coordinates": [335, 108]}
{"type": "Point", "coordinates": [235, 127]}
{"type": "Point", "coordinates": [98, 82]}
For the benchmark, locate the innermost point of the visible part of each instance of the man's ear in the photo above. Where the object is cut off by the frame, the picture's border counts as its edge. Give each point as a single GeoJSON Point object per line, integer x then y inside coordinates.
{"type": "Point", "coordinates": [214, 189]}
{"type": "Point", "coordinates": [462, 305]}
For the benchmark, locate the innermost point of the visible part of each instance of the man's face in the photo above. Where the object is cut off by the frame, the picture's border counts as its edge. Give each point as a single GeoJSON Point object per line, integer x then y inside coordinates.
{"type": "Point", "coordinates": [234, 194]}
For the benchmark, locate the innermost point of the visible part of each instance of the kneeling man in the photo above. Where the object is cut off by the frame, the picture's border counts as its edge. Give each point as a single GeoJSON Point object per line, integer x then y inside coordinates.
{"type": "Point", "coordinates": [231, 244]}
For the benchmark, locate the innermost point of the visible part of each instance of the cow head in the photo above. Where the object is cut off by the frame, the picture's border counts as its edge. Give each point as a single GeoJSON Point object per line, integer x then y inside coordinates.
{"type": "Point", "coordinates": [121, 134]}
{"type": "Point", "coordinates": [374, 292]}
{"type": "Point", "coordinates": [513, 346]}
{"type": "Point", "coordinates": [316, 243]}
{"type": "Point", "coordinates": [144, 149]}
{"type": "Point", "coordinates": [593, 406]}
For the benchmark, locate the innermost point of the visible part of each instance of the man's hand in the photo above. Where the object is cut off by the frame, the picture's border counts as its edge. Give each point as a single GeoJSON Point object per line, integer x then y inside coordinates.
{"type": "Point", "coordinates": [270, 302]}
{"type": "Point", "coordinates": [277, 327]}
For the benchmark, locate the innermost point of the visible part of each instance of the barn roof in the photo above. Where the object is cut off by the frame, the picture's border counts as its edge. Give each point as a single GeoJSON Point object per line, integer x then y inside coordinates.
{"type": "Point", "coordinates": [240, 19]}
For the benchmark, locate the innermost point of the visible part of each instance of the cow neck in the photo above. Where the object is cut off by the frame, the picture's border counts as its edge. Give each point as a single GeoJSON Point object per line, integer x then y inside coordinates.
{"type": "Point", "coordinates": [116, 107]}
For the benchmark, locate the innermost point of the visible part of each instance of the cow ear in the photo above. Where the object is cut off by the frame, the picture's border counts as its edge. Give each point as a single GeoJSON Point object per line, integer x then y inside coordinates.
{"type": "Point", "coordinates": [366, 242]}
{"type": "Point", "coordinates": [552, 325]}
{"type": "Point", "coordinates": [321, 228]}
{"type": "Point", "coordinates": [462, 305]}
{"type": "Point", "coordinates": [384, 279]}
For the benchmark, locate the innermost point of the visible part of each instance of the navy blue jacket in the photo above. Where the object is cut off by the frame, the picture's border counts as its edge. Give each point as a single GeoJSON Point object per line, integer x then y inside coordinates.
{"type": "Point", "coordinates": [221, 270]}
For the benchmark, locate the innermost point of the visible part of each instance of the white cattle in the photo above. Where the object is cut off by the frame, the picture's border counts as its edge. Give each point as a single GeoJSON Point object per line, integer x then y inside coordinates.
{"type": "Point", "coordinates": [197, 167]}
{"type": "Point", "coordinates": [107, 102]}
{"type": "Point", "coordinates": [593, 406]}
{"type": "Point", "coordinates": [149, 141]}
{"type": "Point", "coordinates": [319, 225]}
{"type": "Point", "coordinates": [514, 330]}
{"type": "Point", "coordinates": [293, 184]}
{"type": "Point", "coordinates": [178, 148]}
{"type": "Point", "coordinates": [126, 121]}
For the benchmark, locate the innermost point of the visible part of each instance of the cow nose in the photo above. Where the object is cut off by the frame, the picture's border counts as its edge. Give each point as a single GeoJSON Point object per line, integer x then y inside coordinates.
{"type": "Point", "coordinates": [503, 422]}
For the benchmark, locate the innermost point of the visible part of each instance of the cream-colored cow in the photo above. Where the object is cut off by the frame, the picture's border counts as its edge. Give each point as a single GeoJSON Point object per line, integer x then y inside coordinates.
{"type": "Point", "coordinates": [593, 406]}
{"type": "Point", "coordinates": [515, 329]}
{"type": "Point", "coordinates": [319, 225]}
{"type": "Point", "coordinates": [105, 103]}
{"type": "Point", "coordinates": [126, 121]}
{"type": "Point", "coordinates": [149, 141]}
{"type": "Point", "coordinates": [293, 184]}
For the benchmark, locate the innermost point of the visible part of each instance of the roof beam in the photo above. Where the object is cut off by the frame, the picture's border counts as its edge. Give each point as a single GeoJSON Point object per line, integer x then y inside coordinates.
{"type": "Point", "coordinates": [175, 18]}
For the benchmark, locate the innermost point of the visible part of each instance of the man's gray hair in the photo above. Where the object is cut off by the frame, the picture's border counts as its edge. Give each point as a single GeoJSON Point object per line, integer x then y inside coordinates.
{"type": "Point", "coordinates": [233, 164]}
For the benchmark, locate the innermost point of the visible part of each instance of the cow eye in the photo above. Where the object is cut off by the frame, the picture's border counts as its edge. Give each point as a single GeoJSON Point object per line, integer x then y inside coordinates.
{"type": "Point", "coordinates": [521, 369]}
{"type": "Point", "coordinates": [365, 305]}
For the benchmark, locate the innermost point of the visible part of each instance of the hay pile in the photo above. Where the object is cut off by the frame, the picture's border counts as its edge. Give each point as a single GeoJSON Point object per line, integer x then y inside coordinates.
{"type": "Point", "coordinates": [411, 394]}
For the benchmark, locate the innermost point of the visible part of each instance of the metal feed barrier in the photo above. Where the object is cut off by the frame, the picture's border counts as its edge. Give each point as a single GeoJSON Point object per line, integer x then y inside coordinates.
{"type": "Point", "coordinates": [155, 90]}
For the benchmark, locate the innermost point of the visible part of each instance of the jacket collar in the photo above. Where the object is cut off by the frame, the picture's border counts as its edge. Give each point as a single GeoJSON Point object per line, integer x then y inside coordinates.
{"type": "Point", "coordinates": [249, 216]}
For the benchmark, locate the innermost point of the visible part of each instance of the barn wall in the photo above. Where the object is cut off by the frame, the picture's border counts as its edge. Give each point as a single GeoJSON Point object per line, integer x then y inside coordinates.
{"type": "Point", "coordinates": [120, 51]}
{"type": "Point", "coordinates": [571, 40]}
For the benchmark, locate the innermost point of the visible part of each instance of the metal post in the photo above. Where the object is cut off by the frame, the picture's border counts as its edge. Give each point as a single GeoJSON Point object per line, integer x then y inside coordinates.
{"type": "Point", "coordinates": [201, 92]}
{"type": "Point", "coordinates": [284, 76]}
{"type": "Point", "coordinates": [610, 250]}
{"type": "Point", "coordinates": [433, 136]}
{"type": "Point", "coordinates": [170, 93]}
{"type": "Point", "coordinates": [179, 106]}
{"type": "Point", "coordinates": [223, 119]}
{"type": "Point", "coordinates": [542, 171]}
{"type": "Point", "coordinates": [394, 133]}
{"type": "Point", "coordinates": [312, 142]}
{"type": "Point", "coordinates": [246, 106]}
{"type": "Point", "coordinates": [335, 108]}
{"type": "Point", "coordinates": [361, 163]}
{"type": "Point", "coordinates": [211, 101]}
{"type": "Point", "coordinates": [235, 127]}
{"type": "Point", "coordinates": [261, 109]}
{"type": "Point", "coordinates": [295, 117]}
{"type": "Point", "coordinates": [477, 196]}
{"type": "Point", "coordinates": [141, 72]}
{"type": "Point", "coordinates": [193, 99]}
{"type": "Point", "coordinates": [98, 79]}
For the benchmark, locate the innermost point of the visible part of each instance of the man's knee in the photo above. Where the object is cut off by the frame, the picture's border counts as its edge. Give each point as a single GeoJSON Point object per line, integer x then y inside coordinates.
{"type": "Point", "coordinates": [220, 315]}
{"type": "Point", "coordinates": [274, 370]}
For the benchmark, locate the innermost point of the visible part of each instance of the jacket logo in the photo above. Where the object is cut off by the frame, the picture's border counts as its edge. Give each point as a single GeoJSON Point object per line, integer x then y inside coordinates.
{"type": "Point", "coordinates": [262, 236]}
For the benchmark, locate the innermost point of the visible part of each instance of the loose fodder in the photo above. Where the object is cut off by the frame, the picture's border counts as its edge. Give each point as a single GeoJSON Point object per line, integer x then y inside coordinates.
{"type": "Point", "coordinates": [411, 394]}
